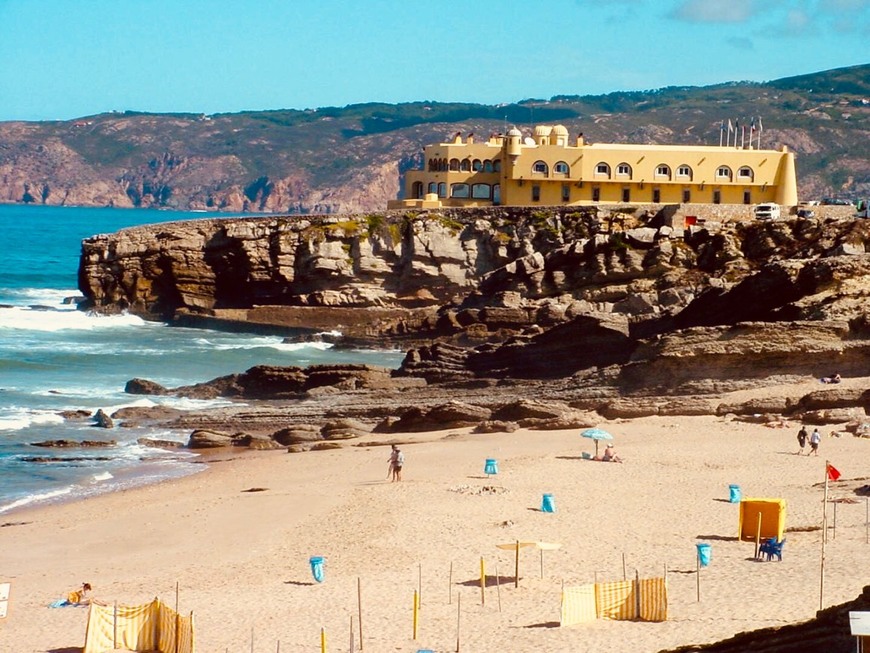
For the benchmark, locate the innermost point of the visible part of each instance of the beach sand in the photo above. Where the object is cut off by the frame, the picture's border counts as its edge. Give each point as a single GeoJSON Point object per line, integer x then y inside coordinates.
{"type": "Point", "coordinates": [241, 559]}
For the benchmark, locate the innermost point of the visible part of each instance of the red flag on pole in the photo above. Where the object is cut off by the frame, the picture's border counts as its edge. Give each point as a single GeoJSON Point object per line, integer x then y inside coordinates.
{"type": "Point", "coordinates": [833, 472]}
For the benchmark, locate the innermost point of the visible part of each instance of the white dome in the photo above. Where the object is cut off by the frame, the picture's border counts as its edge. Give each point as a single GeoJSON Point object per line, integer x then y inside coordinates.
{"type": "Point", "coordinates": [543, 130]}
{"type": "Point", "coordinates": [514, 132]}
{"type": "Point", "coordinates": [560, 130]}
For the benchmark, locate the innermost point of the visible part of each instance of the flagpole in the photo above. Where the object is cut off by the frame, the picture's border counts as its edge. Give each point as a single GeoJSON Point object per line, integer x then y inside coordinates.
{"type": "Point", "coordinates": [824, 540]}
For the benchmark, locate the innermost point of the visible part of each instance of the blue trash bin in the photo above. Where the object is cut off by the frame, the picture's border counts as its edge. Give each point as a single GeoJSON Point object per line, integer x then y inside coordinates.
{"type": "Point", "coordinates": [547, 503]}
{"type": "Point", "coordinates": [734, 493]}
{"type": "Point", "coordinates": [316, 563]}
{"type": "Point", "coordinates": [705, 552]}
{"type": "Point", "coordinates": [491, 466]}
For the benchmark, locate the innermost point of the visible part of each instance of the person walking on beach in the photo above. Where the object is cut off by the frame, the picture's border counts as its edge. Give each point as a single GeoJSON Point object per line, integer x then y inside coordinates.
{"type": "Point", "coordinates": [397, 461]}
{"type": "Point", "coordinates": [802, 439]}
{"type": "Point", "coordinates": [815, 438]}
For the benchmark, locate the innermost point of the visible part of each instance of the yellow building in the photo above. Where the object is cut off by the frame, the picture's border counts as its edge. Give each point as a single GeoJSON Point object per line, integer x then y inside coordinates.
{"type": "Point", "coordinates": [544, 169]}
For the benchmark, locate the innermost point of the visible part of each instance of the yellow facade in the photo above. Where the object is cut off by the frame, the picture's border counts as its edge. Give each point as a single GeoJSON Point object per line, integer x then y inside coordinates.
{"type": "Point", "coordinates": [544, 169]}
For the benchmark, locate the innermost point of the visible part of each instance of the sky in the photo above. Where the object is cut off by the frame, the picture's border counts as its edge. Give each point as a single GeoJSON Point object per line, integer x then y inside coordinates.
{"type": "Point", "coordinates": [63, 59]}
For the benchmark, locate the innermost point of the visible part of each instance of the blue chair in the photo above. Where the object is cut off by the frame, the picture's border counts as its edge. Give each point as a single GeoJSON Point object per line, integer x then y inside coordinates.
{"type": "Point", "coordinates": [770, 547]}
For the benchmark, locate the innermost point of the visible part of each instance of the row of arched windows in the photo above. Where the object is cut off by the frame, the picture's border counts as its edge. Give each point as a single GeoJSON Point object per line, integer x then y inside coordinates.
{"type": "Point", "coordinates": [560, 168]}
{"type": "Point", "coordinates": [684, 172]}
{"type": "Point", "coordinates": [460, 191]}
{"type": "Point", "coordinates": [464, 165]}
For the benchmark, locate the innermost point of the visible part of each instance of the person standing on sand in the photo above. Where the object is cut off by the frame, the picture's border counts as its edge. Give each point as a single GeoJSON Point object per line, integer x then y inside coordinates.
{"type": "Point", "coordinates": [815, 438]}
{"type": "Point", "coordinates": [802, 439]}
{"type": "Point", "coordinates": [397, 461]}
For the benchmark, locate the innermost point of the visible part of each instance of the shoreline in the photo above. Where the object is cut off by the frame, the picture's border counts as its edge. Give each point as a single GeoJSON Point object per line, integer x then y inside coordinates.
{"type": "Point", "coordinates": [241, 558]}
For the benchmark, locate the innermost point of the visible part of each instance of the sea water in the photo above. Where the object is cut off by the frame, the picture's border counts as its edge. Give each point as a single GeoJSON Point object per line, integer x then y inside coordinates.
{"type": "Point", "coordinates": [55, 358]}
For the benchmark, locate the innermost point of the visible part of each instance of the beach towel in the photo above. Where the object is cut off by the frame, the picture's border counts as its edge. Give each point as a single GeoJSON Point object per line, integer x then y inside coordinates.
{"type": "Point", "coordinates": [578, 605]}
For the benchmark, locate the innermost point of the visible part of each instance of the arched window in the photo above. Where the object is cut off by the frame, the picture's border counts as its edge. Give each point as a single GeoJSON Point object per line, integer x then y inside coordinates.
{"type": "Point", "coordinates": [433, 165]}
{"type": "Point", "coordinates": [496, 165]}
{"type": "Point", "coordinates": [442, 166]}
{"type": "Point", "coordinates": [454, 164]}
{"type": "Point", "coordinates": [480, 191]}
{"type": "Point", "coordinates": [540, 168]}
{"type": "Point", "coordinates": [684, 172]}
{"type": "Point", "coordinates": [663, 171]}
{"type": "Point", "coordinates": [459, 190]}
{"type": "Point", "coordinates": [561, 168]}
{"type": "Point", "coordinates": [623, 170]}
{"type": "Point", "coordinates": [465, 166]}
{"type": "Point", "coordinates": [476, 165]}
{"type": "Point", "coordinates": [723, 172]}
{"type": "Point", "coordinates": [487, 166]}
{"type": "Point", "coordinates": [433, 187]}
{"type": "Point", "coordinates": [602, 170]}
{"type": "Point", "coordinates": [442, 189]}
{"type": "Point", "coordinates": [745, 173]}
{"type": "Point", "coordinates": [417, 190]}
{"type": "Point", "coordinates": [496, 193]}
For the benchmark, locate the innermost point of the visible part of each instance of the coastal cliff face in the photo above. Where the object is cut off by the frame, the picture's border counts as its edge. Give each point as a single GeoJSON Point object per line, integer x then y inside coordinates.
{"type": "Point", "coordinates": [525, 293]}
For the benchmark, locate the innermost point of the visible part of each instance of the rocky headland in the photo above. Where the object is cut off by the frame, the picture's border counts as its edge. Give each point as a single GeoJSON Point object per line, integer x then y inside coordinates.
{"type": "Point", "coordinates": [541, 318]}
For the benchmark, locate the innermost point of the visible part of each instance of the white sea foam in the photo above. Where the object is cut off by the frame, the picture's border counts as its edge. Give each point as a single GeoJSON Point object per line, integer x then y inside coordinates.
{"type": "Point", "coordinates": [35, 498]}
{"type": "Point", "coordinates": [102, 476]}
{"type": "Point", "coordinates": [54, 297]}
{"type": "Point", "coordinates": [17, 419]}
{"type": "Point", "coordinates": [29, 319]}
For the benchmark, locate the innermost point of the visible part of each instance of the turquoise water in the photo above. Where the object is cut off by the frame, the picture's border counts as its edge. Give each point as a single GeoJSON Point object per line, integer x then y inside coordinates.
{"type": "Point", "coordinates": [55, 358]}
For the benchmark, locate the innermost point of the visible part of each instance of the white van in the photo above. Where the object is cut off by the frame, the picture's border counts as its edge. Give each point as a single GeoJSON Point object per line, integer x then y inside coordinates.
{"type": "Point", "coordinates": [768, 211]}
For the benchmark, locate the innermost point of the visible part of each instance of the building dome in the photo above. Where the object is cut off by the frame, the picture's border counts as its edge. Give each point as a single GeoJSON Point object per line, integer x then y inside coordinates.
{"type": "Point", "coordinates": [560, 130]}
{"type": "Point", "coordinates": [514, 132]}
{"type": "Point", "coordinates": [543, 130]}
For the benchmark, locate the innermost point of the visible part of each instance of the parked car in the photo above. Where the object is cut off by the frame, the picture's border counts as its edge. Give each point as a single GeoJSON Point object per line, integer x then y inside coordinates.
{"type": "Point", "coordinates": [806, 213]}
{"type": "Point", "coordinates": [836, 201]}
{"type": "Point", "coordinates": [767, 211]}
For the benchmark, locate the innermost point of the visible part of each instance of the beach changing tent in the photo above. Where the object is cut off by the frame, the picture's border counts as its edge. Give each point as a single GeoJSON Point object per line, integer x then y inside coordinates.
{"type": "Point", "coordinates": [150, 627]}
{"type": "Point", "coordinates": [645, 599]}
{"type": "Point", "coordinates": [772, 513]}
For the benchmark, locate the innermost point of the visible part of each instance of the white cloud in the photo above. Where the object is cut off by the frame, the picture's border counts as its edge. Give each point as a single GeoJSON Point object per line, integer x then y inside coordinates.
{"type": "Point", "coordinates": [715, 11]}
{"type": "Point", "coordinates": [797, 20]}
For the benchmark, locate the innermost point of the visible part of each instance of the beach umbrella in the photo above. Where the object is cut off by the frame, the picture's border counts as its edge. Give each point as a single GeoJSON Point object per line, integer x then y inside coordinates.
{"type": "Point", "coordinates": [596, 434]}
{"type": "Point", "coordinates": [519, 544]}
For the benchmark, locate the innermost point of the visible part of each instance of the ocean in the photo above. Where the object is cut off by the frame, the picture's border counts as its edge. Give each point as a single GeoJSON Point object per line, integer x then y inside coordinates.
{"type": "Point", "coordinates": [55, 358]}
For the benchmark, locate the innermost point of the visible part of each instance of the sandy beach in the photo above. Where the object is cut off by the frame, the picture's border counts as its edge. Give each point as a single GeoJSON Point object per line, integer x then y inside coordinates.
{"type": "Point", "coordinates": [240, 558]}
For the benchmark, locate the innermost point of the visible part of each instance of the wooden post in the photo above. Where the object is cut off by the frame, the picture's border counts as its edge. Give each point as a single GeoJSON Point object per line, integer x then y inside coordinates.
{"type": "Point", "coordinates": [623, 566]}
{"type": "Point", "coordinates": [416, 610]}
{"type": "Point", "coordinates": [482, 582]}
{"type": "Point", "coordinates": [758, 537]}
{"type": "Point", "coordinates": [824, 541]}
{"type": "Point", "coordinates": [498, 586]}
{"type": "Point", "coordinates": [517, 566]}
{"type": "Point", "coordinates": [359, 610]}
{"type": "Point", "coordinates": [458, 613]}
{"type": "Point", "coordinates": [450, 585]}
{"type": "Point", "coordinates": [637, 592]}
{"type": "Point", "coordinates": [177, 617]}
{"type": "Point", "coordinates": [322, 641]}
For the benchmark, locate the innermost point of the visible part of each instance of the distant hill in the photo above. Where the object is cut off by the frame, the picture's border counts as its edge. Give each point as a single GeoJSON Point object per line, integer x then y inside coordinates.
{"type": "Point", "coordinates": [351, 158]}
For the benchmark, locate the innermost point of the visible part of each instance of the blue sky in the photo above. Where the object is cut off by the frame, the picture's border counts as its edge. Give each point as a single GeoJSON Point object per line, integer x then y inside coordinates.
{"type": "Point", "coordinates": [61, 59]}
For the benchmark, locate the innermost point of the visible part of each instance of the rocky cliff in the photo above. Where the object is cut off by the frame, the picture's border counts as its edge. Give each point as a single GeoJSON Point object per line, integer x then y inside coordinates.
{"type": "Point", "coordinates": [647, 303]}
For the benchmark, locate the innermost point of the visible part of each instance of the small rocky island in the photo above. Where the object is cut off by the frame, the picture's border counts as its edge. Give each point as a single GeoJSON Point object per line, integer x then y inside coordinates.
{"type": "Point", "coordinates": [544, 317]}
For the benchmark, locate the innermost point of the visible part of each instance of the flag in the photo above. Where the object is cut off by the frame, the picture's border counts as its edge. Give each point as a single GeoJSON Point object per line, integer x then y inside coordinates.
{"type": "Point", "coordinates": [833, 472]}
{"type": "Point", "coordinates": [752, 126]}
{"type": "Point", "coordinates": [759, 123]}
{"type": "Point", "coordinates": [722, 128]}
{"type": "Point", "coordinates": [730, 126]}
